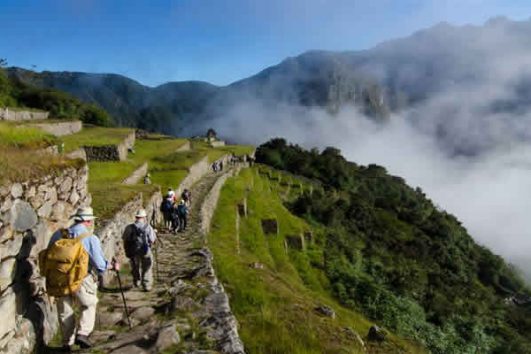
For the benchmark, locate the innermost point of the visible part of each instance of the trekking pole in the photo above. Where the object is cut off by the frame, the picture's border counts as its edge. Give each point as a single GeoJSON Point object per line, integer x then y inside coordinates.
{"type": "Point", "coordinates": [155, 249]}
{"type": "Point", "coordinates": [123, 298]}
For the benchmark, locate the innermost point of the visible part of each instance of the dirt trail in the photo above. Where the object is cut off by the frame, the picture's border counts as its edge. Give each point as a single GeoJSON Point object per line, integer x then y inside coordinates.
{"type": "Point", "coordinates": [186, 312]}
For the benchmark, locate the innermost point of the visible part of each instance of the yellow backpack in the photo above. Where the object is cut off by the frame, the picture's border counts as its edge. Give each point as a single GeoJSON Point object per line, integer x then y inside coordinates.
{"type": "Point", "coordinates": [64, 264]}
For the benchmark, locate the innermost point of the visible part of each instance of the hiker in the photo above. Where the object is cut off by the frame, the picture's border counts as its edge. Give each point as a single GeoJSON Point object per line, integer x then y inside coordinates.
{"type": "Point", "coordinates": [175, 220]}
{"type": "Point", "coordinates": [171, 194]}
{"type": "Point", "coordinates": [182, 210]}
{"type": "Point", "coordinates": [139, 238]}
{"type": "Point", "coordinates": [166, 207]}
{"type": "Point", "coordinates": [220, 164]}
{"type": "Point", "coordinates": [147, 179]}
{"type": "Point", "coordinates": [82, 251]}
{"type": "Point", "coordinates": [186, 195]}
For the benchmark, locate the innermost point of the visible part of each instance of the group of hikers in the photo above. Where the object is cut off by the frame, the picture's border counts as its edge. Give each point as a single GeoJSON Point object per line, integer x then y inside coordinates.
{"type": "Point", "coordinates": [175, 213]}
{"type": "Point", "coordinates": [74, 263]}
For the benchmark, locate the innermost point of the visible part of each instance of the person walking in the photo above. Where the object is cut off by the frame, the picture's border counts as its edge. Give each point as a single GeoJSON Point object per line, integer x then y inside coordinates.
{"type": "Point", "coordinates": [182, 210]}
{"type": "Point", "coordinates": [75, 248]}
{"type": "Point", "coordinates": [166, 207]}
{"type": "Point", "coordinates": [186, 195]}
{"type": "Point", "coordinates": [139, 237]}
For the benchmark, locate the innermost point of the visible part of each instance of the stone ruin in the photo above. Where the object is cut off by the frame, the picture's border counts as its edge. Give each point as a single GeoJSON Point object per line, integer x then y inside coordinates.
{"type": "Point", "coordinates": [308, 237]}
{"type": "Point", "coordinates": [295, 242]}
{"type": "Point", "coordinates": [270, 226]}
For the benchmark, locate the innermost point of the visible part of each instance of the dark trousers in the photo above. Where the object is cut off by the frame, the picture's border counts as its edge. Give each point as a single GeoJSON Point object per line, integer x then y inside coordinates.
{"type": "Point", "coordinates": [183, 220]}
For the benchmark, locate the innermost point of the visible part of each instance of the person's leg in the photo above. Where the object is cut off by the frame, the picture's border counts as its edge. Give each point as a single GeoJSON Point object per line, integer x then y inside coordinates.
{"type": "Point", "coordinates": [135, 270]}
{"type": "Point", "coordinates": [88, 299]}
{"type": "Point", "coordinates": [185, 222]}
{"type": "Point", "coordinates": [67, 319]}
{"type": "Point", "coordinates": [147, 271]}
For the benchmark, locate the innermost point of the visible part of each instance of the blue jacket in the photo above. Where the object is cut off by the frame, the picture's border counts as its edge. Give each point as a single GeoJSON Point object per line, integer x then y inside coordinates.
{"type": "Point", "coordinates": [91, 244]}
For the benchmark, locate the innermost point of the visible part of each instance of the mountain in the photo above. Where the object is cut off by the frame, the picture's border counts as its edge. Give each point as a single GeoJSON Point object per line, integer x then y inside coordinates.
{"type": "Point", "coordinates": [445, 79]}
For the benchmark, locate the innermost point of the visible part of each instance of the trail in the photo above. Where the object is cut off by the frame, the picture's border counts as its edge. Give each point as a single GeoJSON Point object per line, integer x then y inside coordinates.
{"type": "Point", "coordinates": [186, 312]}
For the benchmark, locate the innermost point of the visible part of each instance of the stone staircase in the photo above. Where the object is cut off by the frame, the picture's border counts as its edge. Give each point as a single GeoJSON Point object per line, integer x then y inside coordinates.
{"type": "Point", "coordinates": [186, 312]}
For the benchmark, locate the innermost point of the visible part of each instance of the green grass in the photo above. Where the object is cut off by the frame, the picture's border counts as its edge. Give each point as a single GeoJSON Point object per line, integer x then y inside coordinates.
{"type": "Point", "coordinates": [16, 136]}
{"type": "Point", "coordinates": [275, 306]}
{"type": "Point", "coordinates": [95, 136]}
{"type": "Point", "coordinates": [107, 199]}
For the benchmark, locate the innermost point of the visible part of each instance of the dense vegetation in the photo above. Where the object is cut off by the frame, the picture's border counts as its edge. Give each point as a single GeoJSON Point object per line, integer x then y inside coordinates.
{"type": "Point", "coordinates": [16, 93]}
{"type": "Point", "coordinates": [393, 255]}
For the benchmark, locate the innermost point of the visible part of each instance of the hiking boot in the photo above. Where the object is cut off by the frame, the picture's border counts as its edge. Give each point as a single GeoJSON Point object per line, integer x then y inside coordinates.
{"type": "Point", "coordinates": [83, 341]}
{"type": "Point", "coordinates": [147, 289]}
{"type": "Point", "coordinates": [136, 284]}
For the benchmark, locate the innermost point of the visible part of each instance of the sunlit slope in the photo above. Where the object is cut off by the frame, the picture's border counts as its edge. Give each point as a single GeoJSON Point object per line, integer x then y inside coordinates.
{"type": "Point", "coordinates": [276, 305]}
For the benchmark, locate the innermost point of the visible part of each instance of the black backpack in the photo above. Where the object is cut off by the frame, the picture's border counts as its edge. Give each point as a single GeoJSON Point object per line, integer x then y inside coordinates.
{"type": "Point", "coordinates": [137, 244]}
{"type": "Point", "coordinates": [166, 206]}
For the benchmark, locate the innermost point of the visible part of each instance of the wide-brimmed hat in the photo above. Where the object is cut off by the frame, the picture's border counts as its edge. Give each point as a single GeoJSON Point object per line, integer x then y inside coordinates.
{"type": "Point", "coordinates": [141, 213]}
{"type": "Point", "coordinates": [84, 214]}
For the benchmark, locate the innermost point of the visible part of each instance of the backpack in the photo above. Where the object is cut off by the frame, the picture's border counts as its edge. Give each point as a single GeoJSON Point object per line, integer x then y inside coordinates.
{"type": "Point", "coordinates": [64, 264]}
{"type": "Point", "coordinates": [166, 206]}
{"type": "Point", "coordinates": [136, 244]}
{"type": "Point", "coordinates": [182, 209]}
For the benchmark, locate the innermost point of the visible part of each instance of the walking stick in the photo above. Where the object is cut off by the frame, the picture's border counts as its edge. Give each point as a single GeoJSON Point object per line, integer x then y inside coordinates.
{"type": "Point", "coordinates": [123, 298]}
{"type": "Point", "coordinates": [155, 249]}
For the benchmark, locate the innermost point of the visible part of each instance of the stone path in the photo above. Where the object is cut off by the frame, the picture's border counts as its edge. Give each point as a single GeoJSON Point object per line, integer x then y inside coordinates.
{"type": "Point", "coordinates": [186, 312]}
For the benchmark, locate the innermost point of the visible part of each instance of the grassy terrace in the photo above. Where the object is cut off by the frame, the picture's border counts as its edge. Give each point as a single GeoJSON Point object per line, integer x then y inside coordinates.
{"type": "Point", "coordinates": [18, 159]}
{"type": "Point", "coordinates": [275, 305]}
{"type": "Point", "coordinates": [95, 136]}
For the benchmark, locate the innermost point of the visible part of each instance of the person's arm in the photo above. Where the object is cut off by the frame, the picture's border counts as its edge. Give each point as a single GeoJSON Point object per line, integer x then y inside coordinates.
{"type": "Point", "coordinates": [56, 236]}
{"type": "Point", "coordinates": [97, 258]}
{"type": "Point", "coordinates": [152, 237]}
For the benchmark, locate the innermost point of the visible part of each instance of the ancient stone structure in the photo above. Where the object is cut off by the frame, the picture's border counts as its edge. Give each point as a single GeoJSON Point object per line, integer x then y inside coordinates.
{"type": "Point", "coordinates": [20, 115]}
{"type": "Point", "coordinates": [60, 128]}
{"type": "Point", "coordinates": [137, 175]}
{"type": "Point", "coordinates": [185, 147]}
{"type": "Point", "coordinates": [111, 152]}
{"type": "Point", "coordinates": [270, 226]}
{"type": "Point", "coordinates": [77, 154]}
{"type": "Point", "coordinates": [217, 143]}
{"type": "Point", "coordinates": [29, 213]}
{"type": "Point", "coordinates": [308, 237]}
{"type": "Point", "coordinates": [295, 242]}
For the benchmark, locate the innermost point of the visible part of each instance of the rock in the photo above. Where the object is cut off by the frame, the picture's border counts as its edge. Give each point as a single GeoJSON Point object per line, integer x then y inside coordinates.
{"type": "Point", "coordinates": [256, 265]}
{"type": "Point", "coordinates": [168, 337]}
{"type": "Point", "coordinates": [51, 195]}
{"type": "Point", "coordinates": [66, 185]}
{"type": "Point", "coordinates": [23, 216]}
{"type": "Point", "coordinates": [376, 334]}
{"type": "Point", "coordinates": [8, 203]}
{"type": "Point", "coordinates": [60, 211]}
{"type": "Point", "coordinates": [7, 270]}
{"type": "Point", "coordinates": [45, 210]}
{"type": "Point", "coordinates": [107, 319]}
{"type": "Point", "coordinates": [11, 247]}
{"type": "Point", "coordinates": [4, 191]}
{"type": "Point", "coordinates": [74, 198]}
{"type": "Point", "coordinates": [8, 309]}
{"type": "Point", "coordinates": [31, 192]}
{"type": "Point", "coordinates": [143, 314]}
{"type": "Point", "coordinates": [325, 311]}
{"type": "Point", "coordinates": [102, 336]}
{"type": "Point", "coordinates": [17, 190]}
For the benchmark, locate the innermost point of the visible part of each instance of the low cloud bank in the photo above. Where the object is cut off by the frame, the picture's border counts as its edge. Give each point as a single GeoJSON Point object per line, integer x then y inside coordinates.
{"type": "Point", "coordinates": [490, 192]}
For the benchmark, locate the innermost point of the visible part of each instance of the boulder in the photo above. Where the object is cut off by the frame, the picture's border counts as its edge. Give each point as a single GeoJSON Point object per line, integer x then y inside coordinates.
{"type": "Point", "coordinates": [376, 334]}
{"type": "Point", "coordinates": [167, 338]}
{"type": "Point", "coordinates": [108, 319]}
{"type": "Point", "coordinates": [143, 314]}
{"type": "Point", "coordinates": [325, 311]}
{"type": "Point", "coordinates": [23, 217]}
{"type": "Point", "coordinates": [17, 190]}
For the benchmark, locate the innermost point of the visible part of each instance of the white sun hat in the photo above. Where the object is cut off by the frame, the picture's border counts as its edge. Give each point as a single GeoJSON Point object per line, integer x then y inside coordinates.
{"type": "Point", "coordinates": [84, 214]}
{"type": "Point", "coordinates": [141, 213]}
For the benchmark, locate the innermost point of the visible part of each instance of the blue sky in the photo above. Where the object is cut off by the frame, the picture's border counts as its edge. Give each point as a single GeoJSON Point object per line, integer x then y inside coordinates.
{"type": "Point", "coordinates": [156, 41]}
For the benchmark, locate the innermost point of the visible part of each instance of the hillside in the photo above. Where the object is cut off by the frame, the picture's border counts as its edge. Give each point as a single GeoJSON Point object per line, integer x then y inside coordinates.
{"type": "Point", "coordinates": [388, 252]}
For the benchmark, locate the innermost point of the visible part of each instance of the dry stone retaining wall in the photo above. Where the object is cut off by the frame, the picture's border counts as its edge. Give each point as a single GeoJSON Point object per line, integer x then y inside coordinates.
{"type": "Point", "coordinates": [61, 128]}
{"type": "Point", "coordinates": [16, 115]}
{"type": "Point", "coordinates": [29, 213]}
{"type": "Point", "coordinates": [111, 152]}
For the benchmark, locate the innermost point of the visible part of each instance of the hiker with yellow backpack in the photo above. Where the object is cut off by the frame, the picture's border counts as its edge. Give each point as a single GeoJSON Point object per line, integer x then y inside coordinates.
{"type": "Point", "coordinates": [71, 263]}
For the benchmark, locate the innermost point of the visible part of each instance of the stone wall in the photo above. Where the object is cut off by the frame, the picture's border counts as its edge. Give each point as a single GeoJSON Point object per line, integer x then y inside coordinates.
{"type": "Point", "coordinates": [217, 143]}
{"type": "Point", "coordinates": [77, 154]}
{"type": "Point", "coordinates": [185, 147]}
{"type": "Point", "coordinates": [111, 152]}
{"type": "Point", "coordinates": [211, 200]}
{"type": "Point", "coordinates": [29, 213]}
{"type": "Point", "coordinates": [195, 172]}
{"type": "Point", "coordinates": [17, 115]}
{"type": "Point", "coordinates": [60, 128]}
